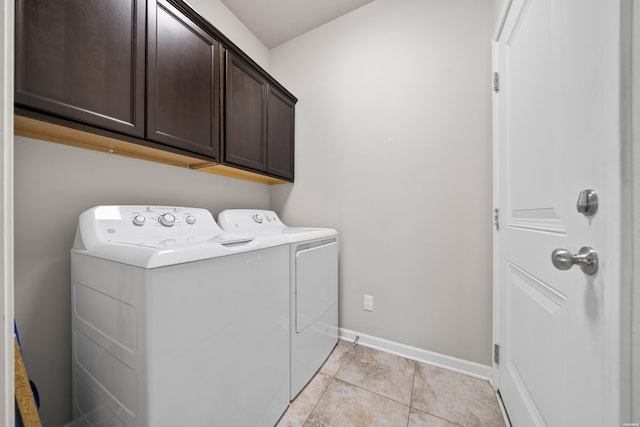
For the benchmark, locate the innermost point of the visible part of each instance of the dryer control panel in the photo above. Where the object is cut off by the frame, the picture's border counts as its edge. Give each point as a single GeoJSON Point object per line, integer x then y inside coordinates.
{"type": "Point", "coordinates": [250, 220]}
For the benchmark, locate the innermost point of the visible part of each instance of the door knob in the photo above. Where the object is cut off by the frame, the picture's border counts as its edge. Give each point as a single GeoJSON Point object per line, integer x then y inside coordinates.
{"type": "Point", "coordinates": [587, 259]}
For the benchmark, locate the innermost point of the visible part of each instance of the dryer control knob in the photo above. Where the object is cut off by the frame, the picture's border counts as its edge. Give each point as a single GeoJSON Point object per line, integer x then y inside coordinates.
{"type": "Point", "coordinates": [139, 220]}
{"type": "Point", "coordinates": [191, 220]}
{"type": "Point", "coordinates": [167, 220]}
{"type": "Point", "coordinates": [257, 218]}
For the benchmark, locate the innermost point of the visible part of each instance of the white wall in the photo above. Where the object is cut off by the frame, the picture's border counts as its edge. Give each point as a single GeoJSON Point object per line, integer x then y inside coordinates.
{"type": "Point", "coordinates": [393, 149]}
{"type": "Point", "coordinates": [225, 21]}
{"type": "Point", "coordinates": [53, 185]}
{"type": "Point", "coordinates": [498, 5]}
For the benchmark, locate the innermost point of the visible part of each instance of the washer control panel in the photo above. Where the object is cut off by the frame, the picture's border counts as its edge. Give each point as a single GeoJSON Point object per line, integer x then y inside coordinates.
{"type": "Point", "coordinates": [155, 236]}
{"type": "Point", "coordinates": [133, 222]}
{"type": "Point", "coordinates": [165, 216]}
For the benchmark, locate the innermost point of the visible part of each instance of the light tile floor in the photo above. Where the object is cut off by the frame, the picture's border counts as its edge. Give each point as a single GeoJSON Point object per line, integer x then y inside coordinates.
{"type": "Point", "coordinates": [360, 386]}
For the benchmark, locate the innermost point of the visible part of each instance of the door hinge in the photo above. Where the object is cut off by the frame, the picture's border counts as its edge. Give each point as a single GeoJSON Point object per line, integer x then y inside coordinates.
{"type": "Point", "coordinates": [496, 218]}
{"type": "Point", "coordinates": [496, 82]}
{"type": "Point", "coordinates": [496, 354]}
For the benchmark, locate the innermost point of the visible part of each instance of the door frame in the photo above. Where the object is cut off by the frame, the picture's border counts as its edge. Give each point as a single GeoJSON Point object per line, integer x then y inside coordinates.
{"type": "Point", "coordinates": [619, 299]}
{"type": "Point", "coordinates": [7, 412]}
{"type": "Point", "coordinates": [495, 140]}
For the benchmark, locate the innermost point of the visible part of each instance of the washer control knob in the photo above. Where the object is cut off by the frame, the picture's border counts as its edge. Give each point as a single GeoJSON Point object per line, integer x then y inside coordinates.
{"type": "Point", "coordinates": [257, 218]}
{"type": "Point", "coordinates": [139, 220]}
{"type": "Point", "coordinates": [191, 220]}
{"type": "Point", "coordinates": [167, 219]}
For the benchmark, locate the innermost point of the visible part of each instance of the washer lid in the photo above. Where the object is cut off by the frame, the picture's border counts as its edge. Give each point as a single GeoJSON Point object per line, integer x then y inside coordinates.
{"type": "Point", "coordinates": [167, 252]}
{"type": "Point", "coordinates": [179, 242]}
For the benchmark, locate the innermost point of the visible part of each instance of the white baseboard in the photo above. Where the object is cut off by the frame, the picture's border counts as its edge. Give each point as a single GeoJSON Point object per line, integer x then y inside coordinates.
{"type": "Point", "coordinates": [443, 361]}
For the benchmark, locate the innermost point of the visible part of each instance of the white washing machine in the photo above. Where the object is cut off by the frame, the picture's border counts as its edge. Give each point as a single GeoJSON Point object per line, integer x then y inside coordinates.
{"type": "Point", "coordinates": [176, 323]}
{"type": "Point", "coordinates": [313, 287]}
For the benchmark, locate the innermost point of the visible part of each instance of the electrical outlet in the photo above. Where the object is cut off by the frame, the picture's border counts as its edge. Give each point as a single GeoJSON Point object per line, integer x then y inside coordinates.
{"type": "Point", "coordinates": [368, 303]}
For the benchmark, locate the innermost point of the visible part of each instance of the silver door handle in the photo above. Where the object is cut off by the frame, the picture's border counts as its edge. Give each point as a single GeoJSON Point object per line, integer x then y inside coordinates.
{"type": "Point", "coordinates": [587, 259]}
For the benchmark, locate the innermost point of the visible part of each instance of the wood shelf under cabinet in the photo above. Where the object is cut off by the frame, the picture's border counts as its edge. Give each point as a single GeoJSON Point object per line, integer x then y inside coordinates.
{"type": "Point", "coordinates": [31, 128]}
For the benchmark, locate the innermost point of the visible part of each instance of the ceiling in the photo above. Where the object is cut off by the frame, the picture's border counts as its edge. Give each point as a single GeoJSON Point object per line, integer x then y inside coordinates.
{"type": "Point", "coordinates": [274, 22]}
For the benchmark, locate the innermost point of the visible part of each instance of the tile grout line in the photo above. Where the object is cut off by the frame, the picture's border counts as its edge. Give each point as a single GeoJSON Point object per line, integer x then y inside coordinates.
{"type": "Point", "coordinates": [316, 404]}
{"type": "Point", "coordinates": [415, 372]}
{"type": "Point", "coordinates": [332, 377]}
{"type": "Point", "coordinates": [370, 391]}
{"type": "Point", "coordinates": [348, 356]}
{"type": "Point", "coordinates": [335, 378]}
{"type": "Point", "coordinates": [413, 383]}
{"type": "Point", "coordinates": [378, 394]}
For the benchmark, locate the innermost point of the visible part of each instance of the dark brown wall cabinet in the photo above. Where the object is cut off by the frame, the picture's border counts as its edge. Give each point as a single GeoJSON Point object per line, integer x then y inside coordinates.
{"type": "Point", "coordinates": [150, 72]}
{"type": "Point", "coordinates": [280, 133]}
{"type": "Point", "coordinates": [245, 108]}
{"type": "Point", "coordinates": [259, 124]}
{"type": "Point", "coordinates": [83, 60]}
{"type": "Point", "coordinates": [183, 82]}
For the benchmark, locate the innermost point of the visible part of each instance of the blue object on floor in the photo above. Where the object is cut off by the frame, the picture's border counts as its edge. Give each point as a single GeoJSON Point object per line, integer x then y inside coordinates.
{"type": "Point", "coordinates": [15, 331]}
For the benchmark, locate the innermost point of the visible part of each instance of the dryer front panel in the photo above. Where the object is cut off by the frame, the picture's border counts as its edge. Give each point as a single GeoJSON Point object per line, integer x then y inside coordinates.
{"type": "Point", "coordinates": [316, 280]}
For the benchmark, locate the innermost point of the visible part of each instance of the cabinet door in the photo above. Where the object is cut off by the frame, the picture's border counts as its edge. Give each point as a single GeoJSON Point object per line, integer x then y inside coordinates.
{"type": "Point", "coordinates": [183, 82]}
{"type": "Point", "coordinates": [280, 133]}
{"type": "Point", "coordinates": [245, 109]}
{"type": "Point", "coordinates": [83, 60]}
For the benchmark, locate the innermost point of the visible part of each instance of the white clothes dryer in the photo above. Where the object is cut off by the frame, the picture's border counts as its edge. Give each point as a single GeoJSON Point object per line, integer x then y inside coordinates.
{"type": "Point", "coordinates": [175, 322]}
{"type": "Point", "coordinates": [313, 287]}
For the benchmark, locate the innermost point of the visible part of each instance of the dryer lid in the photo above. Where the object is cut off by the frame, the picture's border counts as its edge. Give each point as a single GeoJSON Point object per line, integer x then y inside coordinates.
{"type": "Point", "coordinates": [267, 223]}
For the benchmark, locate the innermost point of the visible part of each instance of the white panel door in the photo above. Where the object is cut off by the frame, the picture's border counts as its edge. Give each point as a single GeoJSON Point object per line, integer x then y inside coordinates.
{"type": "Point", "coordinates": [558, 117]}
